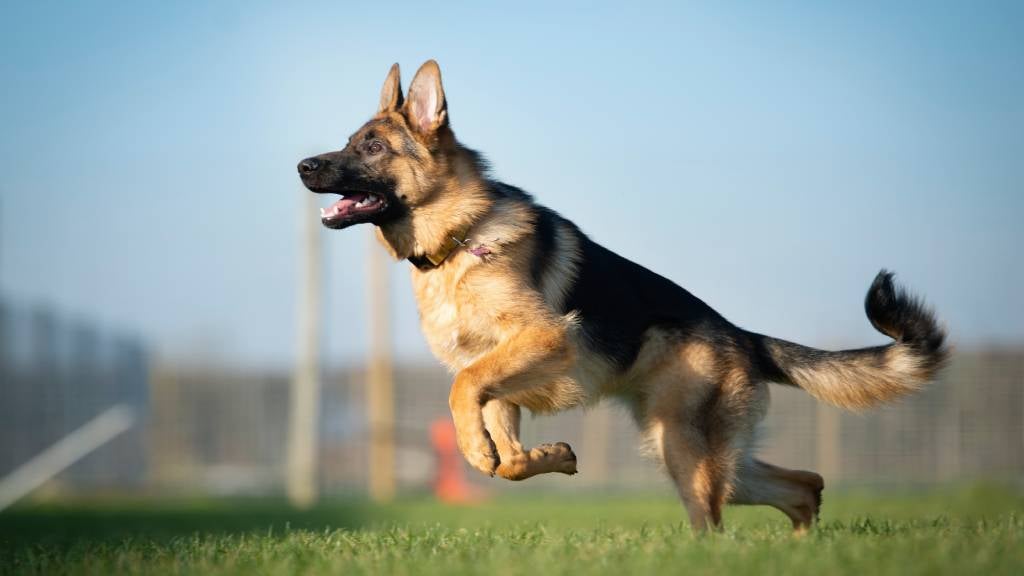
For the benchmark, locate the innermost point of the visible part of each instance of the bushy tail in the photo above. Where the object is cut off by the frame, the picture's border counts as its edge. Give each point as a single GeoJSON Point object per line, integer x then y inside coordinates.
{"type": "Point", "coordinates": [865, 377]}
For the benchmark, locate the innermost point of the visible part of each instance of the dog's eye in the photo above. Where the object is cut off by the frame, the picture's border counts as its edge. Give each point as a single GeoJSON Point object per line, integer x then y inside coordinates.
{"type": "Point", "coordinates": [375, 147]}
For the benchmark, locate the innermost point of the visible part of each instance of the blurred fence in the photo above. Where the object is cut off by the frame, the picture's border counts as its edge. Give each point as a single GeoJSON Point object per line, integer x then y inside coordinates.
{"type": "Point", "coordinates": [215, 431]}
{"type": "Point", "coordinates": [227, 432]}
{"type": "Point", "coordinates": [58, 373]}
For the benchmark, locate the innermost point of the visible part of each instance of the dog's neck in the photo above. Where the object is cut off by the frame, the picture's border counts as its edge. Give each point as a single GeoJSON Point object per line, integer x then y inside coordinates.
{"type": "Point", "coordinates": [431, 232]}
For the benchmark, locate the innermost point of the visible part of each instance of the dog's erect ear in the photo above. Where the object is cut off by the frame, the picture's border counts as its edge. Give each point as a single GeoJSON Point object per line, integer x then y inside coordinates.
{"type": "Point", "coordinates": [391, 94]}
{"type": "Point", "coordinates": [426, 108]}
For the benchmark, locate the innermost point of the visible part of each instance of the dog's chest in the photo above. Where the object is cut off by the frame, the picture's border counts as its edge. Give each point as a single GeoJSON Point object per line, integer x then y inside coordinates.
{"type": "Point", "coordinates": [455, 326]}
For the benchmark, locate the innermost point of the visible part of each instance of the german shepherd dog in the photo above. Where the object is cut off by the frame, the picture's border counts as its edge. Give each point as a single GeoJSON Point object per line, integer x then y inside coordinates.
{"type": "Point", "coordinates": [528, 312]}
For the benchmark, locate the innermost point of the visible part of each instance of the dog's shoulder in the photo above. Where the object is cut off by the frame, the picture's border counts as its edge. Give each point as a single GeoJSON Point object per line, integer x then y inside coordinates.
{"type": "Point", "coordinates": [530, 242]}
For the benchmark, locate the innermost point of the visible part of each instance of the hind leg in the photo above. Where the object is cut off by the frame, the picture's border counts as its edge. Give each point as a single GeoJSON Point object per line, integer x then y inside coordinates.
{"type": "Point", "coordinates": [701, 473]}
{"type": "Point", "coordinates": [796, 493]}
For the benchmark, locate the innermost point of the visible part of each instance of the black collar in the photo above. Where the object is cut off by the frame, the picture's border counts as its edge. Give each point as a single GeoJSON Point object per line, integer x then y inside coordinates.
{"type": "Point", "coordinates": [421, 263]}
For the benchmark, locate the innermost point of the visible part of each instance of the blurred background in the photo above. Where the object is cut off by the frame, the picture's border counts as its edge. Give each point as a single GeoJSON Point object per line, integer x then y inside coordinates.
{"type": "Point", "coordinates": [174, 322]}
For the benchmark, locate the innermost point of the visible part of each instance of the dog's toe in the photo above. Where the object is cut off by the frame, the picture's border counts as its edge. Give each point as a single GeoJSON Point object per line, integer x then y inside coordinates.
{"type": "Point", "coordinates": [486, 462]}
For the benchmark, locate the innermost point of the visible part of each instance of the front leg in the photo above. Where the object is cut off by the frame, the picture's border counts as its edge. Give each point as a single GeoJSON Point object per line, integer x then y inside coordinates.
{"type": "Point", "coordinates": [501, 418]}
{"type": "Point", "coordinates": [528, 357]}
{"type": "Point", "coordinates": [474, 442]}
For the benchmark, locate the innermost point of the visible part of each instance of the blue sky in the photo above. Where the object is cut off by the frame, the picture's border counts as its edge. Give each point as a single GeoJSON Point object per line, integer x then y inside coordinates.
{"type": "Point", "coordinates": [770, 159]}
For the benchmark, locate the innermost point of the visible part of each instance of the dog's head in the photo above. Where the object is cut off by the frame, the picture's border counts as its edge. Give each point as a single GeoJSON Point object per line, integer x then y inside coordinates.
{"type": "Point", "coordinates": [395, 162]}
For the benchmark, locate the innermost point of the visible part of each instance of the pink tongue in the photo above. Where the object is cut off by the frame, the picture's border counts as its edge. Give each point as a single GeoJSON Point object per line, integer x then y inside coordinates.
{"type": "Point", "coordinates": [344, 205]}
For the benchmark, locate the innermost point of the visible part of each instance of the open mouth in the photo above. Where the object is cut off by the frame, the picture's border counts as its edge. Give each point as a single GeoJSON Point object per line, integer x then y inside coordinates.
{"type": "Point", "coordinates": [353, 208]}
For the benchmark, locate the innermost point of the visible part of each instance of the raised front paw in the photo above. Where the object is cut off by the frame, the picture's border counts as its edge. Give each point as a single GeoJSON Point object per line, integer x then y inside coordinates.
{"type": "Point", "coordinates": [557, 457]}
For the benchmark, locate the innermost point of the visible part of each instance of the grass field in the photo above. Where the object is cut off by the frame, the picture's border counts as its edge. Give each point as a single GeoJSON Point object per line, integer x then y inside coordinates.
{"type": "Point", "coordinates": [965, 531]}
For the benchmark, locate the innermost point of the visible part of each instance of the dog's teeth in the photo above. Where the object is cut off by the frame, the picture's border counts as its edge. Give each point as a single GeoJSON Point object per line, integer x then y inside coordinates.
{"type": "Point", "coordinates": [323, 212]}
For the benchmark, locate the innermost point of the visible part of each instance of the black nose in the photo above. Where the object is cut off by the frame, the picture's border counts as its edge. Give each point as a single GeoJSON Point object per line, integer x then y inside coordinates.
{"type": "Point", "coordinates": [309, 165]}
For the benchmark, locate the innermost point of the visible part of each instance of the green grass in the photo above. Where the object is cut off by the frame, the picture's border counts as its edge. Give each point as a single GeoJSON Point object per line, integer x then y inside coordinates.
{"type": "Point", "coordinates": [967, 531]}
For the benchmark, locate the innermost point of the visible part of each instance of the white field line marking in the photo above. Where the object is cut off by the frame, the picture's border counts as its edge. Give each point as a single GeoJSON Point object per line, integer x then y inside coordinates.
{"type": "Point", "coordinates": [64, 453]}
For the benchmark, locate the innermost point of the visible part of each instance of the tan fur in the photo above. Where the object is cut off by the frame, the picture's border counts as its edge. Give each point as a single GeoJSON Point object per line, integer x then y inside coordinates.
{"type": "Point", "coordinates": [861, 384]}
{"type": "Point", "coordinates": [697, 421]}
